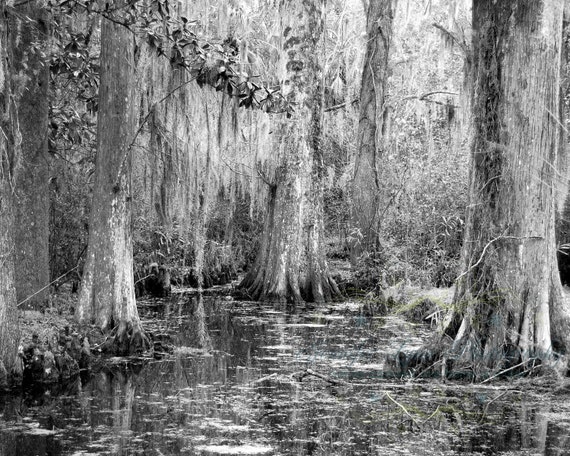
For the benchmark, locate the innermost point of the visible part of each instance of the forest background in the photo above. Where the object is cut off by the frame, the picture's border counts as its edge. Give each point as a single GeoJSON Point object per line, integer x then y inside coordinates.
{"type": "Point", "coordinates": [217, 138]}
{"type": "Point", "coordinates": [224, 153]}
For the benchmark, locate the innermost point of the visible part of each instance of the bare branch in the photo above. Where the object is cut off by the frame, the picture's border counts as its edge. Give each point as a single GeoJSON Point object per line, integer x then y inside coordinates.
{"type": "Point", "coordinates": [341, 105]}
{"type": "Point", "coordinates": [498, 238]}
{"type": "Point", "coordinates": [428, 94]}
{"type": "Point", "coordinates": [425, 96]}
{"type": "Point", "coordinates": [263, 177]}
{"type": "Point", "coordinates": [450, 35]}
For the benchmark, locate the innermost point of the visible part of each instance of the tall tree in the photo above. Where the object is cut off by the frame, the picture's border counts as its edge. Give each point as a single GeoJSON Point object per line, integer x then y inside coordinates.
{"type": "Point", "coordinates": [366, 184]}
{"type": "Point", "coordinates": [290, 265]}
{"type": "Point", "coordinates": [107, 296]}
{"type": "Point", "coordinates": [509, 296]}
{"type": "Point", "coordinates": [31, 74]}
{"type": "Point", "coordinates": [9, 162]}
{"type": "Point", "coordinates": [563, 214]}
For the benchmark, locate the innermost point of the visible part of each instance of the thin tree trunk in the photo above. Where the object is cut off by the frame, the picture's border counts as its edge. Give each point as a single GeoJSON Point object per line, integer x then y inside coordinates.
{"type": "Point", "coordinates": [107, 296]}
{"type": "Point", "coordinates": [9, 158]}
{"type": "Point", "coordinates": [509, 293]}
{"type": "Point", "coordinates": [202, 206]}
{"type": "Point", "coordinates": [291, 265]}
{"type": "Point", "coordinates": [366, 185]}
{"type": "Point", "coordinates": [318, 283]}
{"type": "Point", "coordinates": [30, 30]}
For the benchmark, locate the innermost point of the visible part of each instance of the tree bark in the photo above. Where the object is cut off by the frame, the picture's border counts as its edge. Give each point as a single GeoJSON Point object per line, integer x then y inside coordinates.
{"type": "Point", "coordinates": [366, 184]}
{"type": "Point", "coordinates": [30, 31]}
{"type": "Point", "coordinates": [9, 162]}
{"type": "Point", "coordinates": [107, 296]}
{"type": "Point", "coordinates": [563, 209]}
{"type": "Point", "coordinates": [509, 296]}
{"type": "Point", "coordinates": [291, 264]}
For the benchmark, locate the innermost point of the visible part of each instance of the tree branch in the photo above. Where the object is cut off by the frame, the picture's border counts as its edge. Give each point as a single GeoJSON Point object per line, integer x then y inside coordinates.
{"type": "Point", "coordinates": [460, 43]}
{"type": "Point", "coordinates": [341, 105]}
{"type": "Point", "coordinates": [424, 97]}
{"type": "Point", "coordinates": [429, 94]}
{"type": "Point", "coordinates": [488, 245]}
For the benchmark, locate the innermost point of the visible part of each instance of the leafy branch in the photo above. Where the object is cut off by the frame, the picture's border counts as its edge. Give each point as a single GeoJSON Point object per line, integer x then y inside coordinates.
{"type": "Point", "coordinates": [215, 64]}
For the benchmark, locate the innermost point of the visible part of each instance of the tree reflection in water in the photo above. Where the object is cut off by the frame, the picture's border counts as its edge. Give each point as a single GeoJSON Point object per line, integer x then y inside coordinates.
{"type": "Point", "coordinates": [237, 386]}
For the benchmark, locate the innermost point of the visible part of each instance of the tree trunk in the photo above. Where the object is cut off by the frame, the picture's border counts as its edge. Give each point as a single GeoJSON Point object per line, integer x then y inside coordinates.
{"type": "Point", "coordinates": [107, 296]}
{"type": "Point", "coordinates": [31, 75]}
{"type": "Point", "coordinates": [509, 295]}
{"type": "Point", "coordinates": [563, 209]}
{"type": "Point", "coordinates": [291, 265]}
{"type": "Point", "coordinates": [9, 161]}
{"type": "Point", "coordinates": [366, 184]}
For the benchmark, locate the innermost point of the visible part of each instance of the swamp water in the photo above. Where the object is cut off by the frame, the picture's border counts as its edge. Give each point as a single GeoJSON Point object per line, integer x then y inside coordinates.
{"type": "Point", "coordinates": [247, 379]}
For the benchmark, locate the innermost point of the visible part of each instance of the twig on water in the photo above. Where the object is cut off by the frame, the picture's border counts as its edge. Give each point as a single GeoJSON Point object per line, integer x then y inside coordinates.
{"type": "Point", "coordinates": [387, 394]}
{"type": "Point", "coordinates": [486, 408]}
{"type": "Point", "coordinates": [267, 377]}
{"type": "Point", "coordinates": [431, 416]}
{"type": "Point", "coordinates": [507, 370]}
{"type": "Point", "coordinates": [310, 372]}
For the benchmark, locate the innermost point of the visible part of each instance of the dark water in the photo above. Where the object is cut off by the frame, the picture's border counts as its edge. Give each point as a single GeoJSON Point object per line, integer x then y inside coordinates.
{"type": "Point", "coordinates": [249, 379]}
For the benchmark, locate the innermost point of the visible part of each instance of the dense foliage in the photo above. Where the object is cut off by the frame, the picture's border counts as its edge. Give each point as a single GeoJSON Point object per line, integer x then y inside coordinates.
{"type": "Point", "coordinates": [225, 45]}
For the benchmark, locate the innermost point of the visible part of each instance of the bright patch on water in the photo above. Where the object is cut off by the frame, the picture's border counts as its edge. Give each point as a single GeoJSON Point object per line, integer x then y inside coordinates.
{"type": "Point", "coordinates": [234, 449]}
{"type": "Point", "coordinates": [278, 347]}
{"type": "Point", "coordinates": [266, 381]}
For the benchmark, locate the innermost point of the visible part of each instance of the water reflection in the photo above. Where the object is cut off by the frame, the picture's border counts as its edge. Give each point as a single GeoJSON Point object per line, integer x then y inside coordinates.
{"type": "Point", "coordinates": [237, 383]}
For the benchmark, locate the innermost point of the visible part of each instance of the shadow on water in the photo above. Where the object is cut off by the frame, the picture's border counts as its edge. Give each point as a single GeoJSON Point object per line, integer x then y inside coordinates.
{"type": "Point", "coordinates": [245, 378]}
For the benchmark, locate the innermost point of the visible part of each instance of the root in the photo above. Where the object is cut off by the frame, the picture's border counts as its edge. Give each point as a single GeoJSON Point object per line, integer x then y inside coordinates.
{"type": "Point", "coordinates": [126, 340]}
{"type": "Point", "coordinates": [441, 359]}
{"type": "Point", "coordinates": [429, 361]}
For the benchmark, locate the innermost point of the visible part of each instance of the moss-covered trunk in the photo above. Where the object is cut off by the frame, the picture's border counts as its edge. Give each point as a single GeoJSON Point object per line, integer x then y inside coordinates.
{"type": "Point", "coordinates": [509, 295]}
{"type": "Point", "coordinates": [366, 183]}
{"type": "Point", "coordinates": [107, 296]}
{"type": "Point", "coordinates": [291, 264]}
